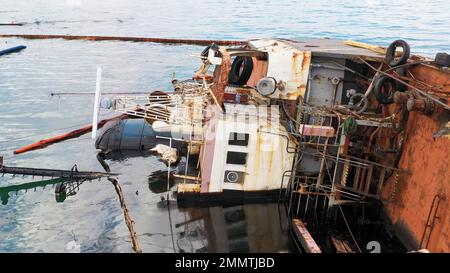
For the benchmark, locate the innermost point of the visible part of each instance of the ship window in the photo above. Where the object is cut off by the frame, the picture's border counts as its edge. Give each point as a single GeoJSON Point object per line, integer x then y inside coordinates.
{"type": "Point", "coordinates": [239, 139]}
{"type": "Point", "coordinates": [236, 158]}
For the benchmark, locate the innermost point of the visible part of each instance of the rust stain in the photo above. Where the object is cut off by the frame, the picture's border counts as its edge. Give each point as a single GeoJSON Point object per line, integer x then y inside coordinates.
{"type": "Point", "coordinates": [221, 76]}
{"type": "Point", "coordinates": [294, 65]}
{"type": "Point", "coordinates": [424, 172]}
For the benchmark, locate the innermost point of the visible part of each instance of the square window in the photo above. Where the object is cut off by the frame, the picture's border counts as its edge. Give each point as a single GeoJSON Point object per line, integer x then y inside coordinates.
{"type": "Point", "coordinates": [236, 158]}
{"type": "Point", "coordinates": [239, 139]}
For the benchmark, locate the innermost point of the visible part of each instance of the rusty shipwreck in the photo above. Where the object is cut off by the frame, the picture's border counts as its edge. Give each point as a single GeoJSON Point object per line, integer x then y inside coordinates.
{"type": "Point", "coordinates": [328, 127]}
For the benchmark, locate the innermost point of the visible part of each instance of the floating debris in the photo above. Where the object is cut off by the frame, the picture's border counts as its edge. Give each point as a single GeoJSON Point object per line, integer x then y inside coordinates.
{"type": "Point", "coordinates": [168, 155]}
{"type": "Point", "coordinates": [12, 50]}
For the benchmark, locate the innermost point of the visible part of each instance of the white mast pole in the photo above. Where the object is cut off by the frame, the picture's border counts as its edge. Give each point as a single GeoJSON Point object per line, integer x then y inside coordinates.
{"type": "Point", "coordinates": [96, 102]}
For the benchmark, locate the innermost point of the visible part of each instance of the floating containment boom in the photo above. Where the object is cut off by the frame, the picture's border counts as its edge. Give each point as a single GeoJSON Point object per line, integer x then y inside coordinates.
{"type": "Point", "coordinates": [73, 134]}
{"type": "Point", "coordinates": [126, 39]}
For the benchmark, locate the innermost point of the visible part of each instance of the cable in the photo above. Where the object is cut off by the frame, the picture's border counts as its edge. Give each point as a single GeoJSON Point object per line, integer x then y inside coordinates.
{"type": "Point", "coordinates": [437, 101]}
{"type": "Point", "coordinates": [408, 64]}
{"type": "Point", "coordinates": [348, 227]}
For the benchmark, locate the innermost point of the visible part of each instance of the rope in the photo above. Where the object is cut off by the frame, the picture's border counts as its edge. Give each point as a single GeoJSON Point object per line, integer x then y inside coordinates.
{"type": "Point", "coordinates": [126, 214]}
{"type": "Point", "coordinates": [349, 230]}
{"type": "Point", "coordinates": [437, 101]}
{"type": "Point", "coordinates": [128, 220]}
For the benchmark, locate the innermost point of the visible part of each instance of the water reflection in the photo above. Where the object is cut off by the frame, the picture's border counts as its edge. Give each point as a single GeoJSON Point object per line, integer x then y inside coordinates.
{"type": "Point", "coordinates": [243, 228]}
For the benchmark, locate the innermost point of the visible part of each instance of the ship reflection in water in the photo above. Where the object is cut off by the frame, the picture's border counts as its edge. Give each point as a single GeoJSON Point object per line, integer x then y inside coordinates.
{"type": "Point", "coordinates": [237, 229]}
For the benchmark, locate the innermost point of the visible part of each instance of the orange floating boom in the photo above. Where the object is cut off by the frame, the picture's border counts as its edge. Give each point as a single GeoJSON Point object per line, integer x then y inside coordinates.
{"type": "Point", "coordinates": [74, 134]}
{"type": "Point", "coordinates": [127, 39]}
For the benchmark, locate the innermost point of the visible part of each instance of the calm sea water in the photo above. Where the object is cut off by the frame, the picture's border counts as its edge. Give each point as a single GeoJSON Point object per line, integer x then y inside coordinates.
{"type": "Point", "coordinates": [33, 221]}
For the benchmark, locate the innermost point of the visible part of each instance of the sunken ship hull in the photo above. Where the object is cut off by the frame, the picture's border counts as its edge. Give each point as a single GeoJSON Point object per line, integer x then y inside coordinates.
{"type": "Point", "coordinates": [338, 131]}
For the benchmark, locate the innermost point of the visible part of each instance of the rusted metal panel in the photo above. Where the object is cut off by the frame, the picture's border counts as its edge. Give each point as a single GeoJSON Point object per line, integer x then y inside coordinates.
{"type": "Point", "coordinates": [288, 65]}
{"type": "Point", "coordinates": [325, 87]}
{"type": "Point", "coordinates": [305, 237]}
{"type": "Point", "coordinates": [221, 76]}
{"type": "Point", "coordinates": [424, 172]}
{"type": "Point", "coordinates": [259, 71]}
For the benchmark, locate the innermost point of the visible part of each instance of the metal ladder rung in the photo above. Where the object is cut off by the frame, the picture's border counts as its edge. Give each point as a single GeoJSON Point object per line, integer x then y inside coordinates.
{"type": "Point", "coordinates": [368, 180]}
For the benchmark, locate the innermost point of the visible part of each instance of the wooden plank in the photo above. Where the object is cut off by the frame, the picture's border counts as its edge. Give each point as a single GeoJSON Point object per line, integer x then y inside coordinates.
{"type": "Point", "coordinates": [316, 130]}
{"type": "Point", "coordinates": [305, 237]}
{"type": "Point", "coordinates": [341, 246]}
{"type": "Point", "coordinates": [188, 177]}
{"type": "Point", "coordinates": [188, 187]}
{"type": "Point", "coordinates": [377, 49]}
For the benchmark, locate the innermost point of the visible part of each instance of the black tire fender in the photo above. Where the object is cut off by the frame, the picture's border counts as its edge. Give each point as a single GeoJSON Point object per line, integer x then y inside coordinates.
{"type": "Point", "coordinates": [238, 77]}
{"type": "Point", "coordinates": [390, 53]}
{"type": "Point", "coordinates": [384, 98]}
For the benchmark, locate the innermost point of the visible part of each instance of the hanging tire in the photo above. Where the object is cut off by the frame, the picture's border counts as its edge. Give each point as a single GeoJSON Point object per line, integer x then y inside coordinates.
{"type": "Point", "coordinates": [381, 91]}
{"type": "Point", "coordinates": [60, 192]}
{"type": "Point", "coordinates": [390, 53]}
{"type": "Point", "coordinates": [241, 69]}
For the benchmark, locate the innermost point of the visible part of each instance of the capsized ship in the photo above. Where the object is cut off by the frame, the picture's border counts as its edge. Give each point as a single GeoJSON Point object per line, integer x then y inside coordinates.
{"type": "Point", "coordinates": [337, 130]}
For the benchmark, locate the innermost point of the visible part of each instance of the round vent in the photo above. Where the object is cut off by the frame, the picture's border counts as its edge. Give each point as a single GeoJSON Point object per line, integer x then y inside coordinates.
{"type": "Point", "coordinates": [232, 177]}
{"type": "Point", "coordinates": [266, 86]}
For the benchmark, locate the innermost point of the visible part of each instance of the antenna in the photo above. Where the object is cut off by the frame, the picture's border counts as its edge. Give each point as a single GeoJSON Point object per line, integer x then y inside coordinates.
{"type": "Point", "coordinates": [96, 102]}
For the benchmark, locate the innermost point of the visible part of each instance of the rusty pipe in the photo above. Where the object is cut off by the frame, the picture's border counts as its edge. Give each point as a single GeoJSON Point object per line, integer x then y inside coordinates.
{"type": "Point", "coordinates": [400, 98]}
{"type": "Point", "coordinates": [420, 105]}
{"type": "Point", "coordinates": [363, 171]}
